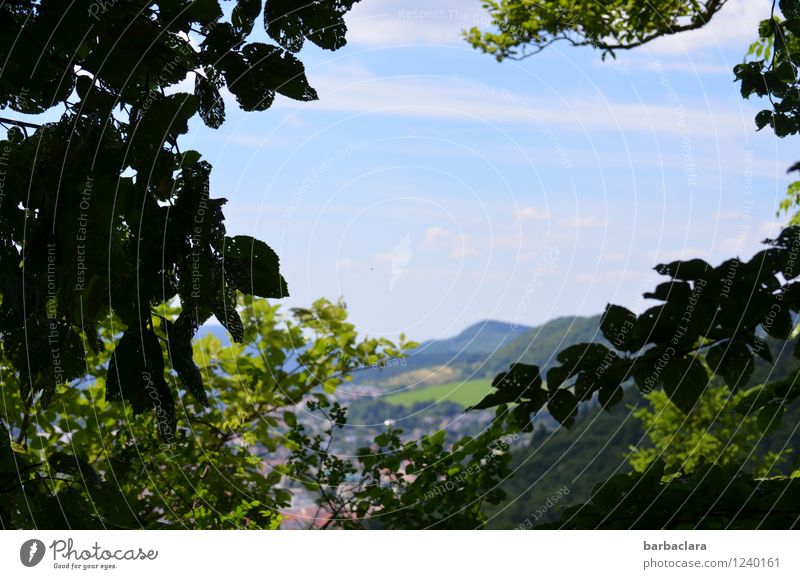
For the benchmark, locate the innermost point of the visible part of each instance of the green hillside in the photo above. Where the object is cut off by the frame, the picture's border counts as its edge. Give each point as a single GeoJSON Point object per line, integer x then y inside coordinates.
{"type": "Point", "coordinates": [576, 459]}
{"type": "Point", "coordinates": [589, 453]}
{"type": "Point", "coordinates": [539, 345]}
{"type": "Point", "coordinates": [462, 393]}
{"type": "Point", "coordinates": [481, 338]}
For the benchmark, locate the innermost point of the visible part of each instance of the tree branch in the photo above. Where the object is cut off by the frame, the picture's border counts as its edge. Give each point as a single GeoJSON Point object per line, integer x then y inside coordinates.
{"type": "Point", "coordinates": [6, 121]}
{"type": "Point", "coordinates": [699, 21]}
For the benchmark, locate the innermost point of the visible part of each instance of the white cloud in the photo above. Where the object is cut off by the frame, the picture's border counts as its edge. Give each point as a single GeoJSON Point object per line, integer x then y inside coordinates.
{"type": "Point", "coordinates": [345, 263]}
{"type": "Point", "coordinates": [610, 276]}
{"type": "Point", "coordinates": [532, 214]}
{"type": "Point", "coordinates": [403, 22]}
{"type": "Point", "coordinates": [462, 248]}
{"type": "Point", "coordinates": [415, 22]}
{"type": "Point", "coordinates": [256, 141]}
{"type": "Point", "coordinates": [584, 222]}
{"type": "Point", "coordinates": [771, 228]}
{"type": "Point", "coordinates": [460, 245]}
{"type": "Point", "coordinates": [635, 61]}
{"type": "Point", "coordinates": [666, 256]}
{"type": "Point", "coordinates": [731, 215]}
{"type": "Point", "coordinates": [434, 234]}
{"type": "Point", "coordinates": [735, 24]}
{"type": "Point", "coordinates": [507, 241]}
{"type": "Point", "coordinates": [385, 257]}
{"type": "Point", "coordinates": [463, 98]}
{"type": "Point", "coordinates": [613, 256]}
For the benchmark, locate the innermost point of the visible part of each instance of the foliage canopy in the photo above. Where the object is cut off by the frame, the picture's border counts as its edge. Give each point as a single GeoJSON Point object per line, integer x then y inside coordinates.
{"type": "Point", "coordinates": [270, 434]}
{"type": "Point", "coordinates": [710, 320]}
{"type": "Point", "coordinates": [526, 27]}
{"type": "Point", "coordinates": [102, 213]}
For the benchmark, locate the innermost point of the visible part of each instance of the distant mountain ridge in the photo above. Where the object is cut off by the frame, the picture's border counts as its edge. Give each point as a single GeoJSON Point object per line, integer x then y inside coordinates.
{"type": "Point", "coordinates": [484, 349]}
{"type": "Point", "coordinates": [541, 344]}
{"type": "Point", "coordinates": [448, 359]}
{"type": "Point", "coordinates": [480, 338]}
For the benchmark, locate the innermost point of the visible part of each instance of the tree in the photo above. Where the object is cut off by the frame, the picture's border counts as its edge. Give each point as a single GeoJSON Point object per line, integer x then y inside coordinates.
{"type": "Point", "coordinates": [526, 27]}
{"type": "Point", "coordinates": [709, 320]}
{"type": "Point", "coordinates": [102, 215]}
{"type": "Point", "coordinates": [712, 432]}
{"type": "Point", "coordinates": [268, 434]}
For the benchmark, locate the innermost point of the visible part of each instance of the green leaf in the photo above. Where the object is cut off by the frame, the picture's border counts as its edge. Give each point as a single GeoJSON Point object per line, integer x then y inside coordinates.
{"type": "Point", "coordinates": [760, 347]}
{"type": "Point", "coordinates": [190, 157]}
{"type": "Point", "coordinates": [522, 418]}
{"type": "Point", "coordinates": [244, 16]}
{"type": "Point", "coordinates": [283, 24]}
{"type": "Point", "coordinates": [204, 11]}
{"type": "Point", "coordinates": [124, 371]}
{"type": "Point", "coordinates": [733, 361]}
{"type": "Point", "coordinates": [321, 22]}
{"type": "Point", "coordinates": [253, 268]}
{"type": "Point", "coordinates": [168, 115]}
{"type": "Point", "coordinates": [769, 419]}
{"type": "Point", "coordinates": [616, 325]}
{"type": "Point", "coordinates": [61, 462]}
{"type": "Point", "coordinates": [556, 376]}
{"type": "Point", "coordinates": [684, 381]}
{"type": "Point", "coordinates": [582, 354]}
{"type": "Point", "coordinates": [224, 309]}
{"type": "Point", "coordinates": [691, 270]}
{"type": "Point", "coordinates": [778, 324]}
{"type": "Point", "coordinates": [763, 118]}
{"type": "Point", "coordinates": [209, 102]}
{"type": "Point", "coordinates": [609, 395]}
{"type": "Point", "coordinates": [518, 380]}
{"type": "Point", "coordinates": [437, 438]}
{"type": "Point", "coordinates": [181, 356]}
{"type": "Point", "coordinates": [279, 70]}
{"type": "Point", "coordinates": [520, 384]}
{"type": "Point", "coordinates": [755, 398]}
{"type": "Point", "coordinates": [563, 406]}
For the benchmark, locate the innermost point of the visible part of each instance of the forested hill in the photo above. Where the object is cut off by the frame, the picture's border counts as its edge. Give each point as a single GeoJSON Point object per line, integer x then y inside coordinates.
{"type": "Point", "coordinates": [487, 348]}
{"type": "Point", "coordinates": [576, 460]}
{"type": "Point", "coordinates": [481, 338]}
{"type": "Point", "coordinates": [483, 350]}
{"type": "Point", "coordinates": [540, 345]}
{"type": "Point", "coordinates": [448, 359]}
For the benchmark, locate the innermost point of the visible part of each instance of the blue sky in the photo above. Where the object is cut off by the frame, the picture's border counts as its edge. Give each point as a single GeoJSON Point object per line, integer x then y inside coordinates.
{"type": "Point", "coordinates": [432, 187]}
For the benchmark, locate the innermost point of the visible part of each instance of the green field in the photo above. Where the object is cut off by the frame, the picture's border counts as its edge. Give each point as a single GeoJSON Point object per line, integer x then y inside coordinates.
{"type": "Point", "coordinates": [463, 393]}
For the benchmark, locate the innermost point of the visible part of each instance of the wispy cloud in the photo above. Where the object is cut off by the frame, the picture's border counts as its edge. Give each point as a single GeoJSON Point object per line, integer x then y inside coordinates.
{"type": "Point", "coordinates": [730, 215]}
{"type": "Point", "coordinates": [410, 22]}
{"type": "Point", "coordinates": [668, 255]}
{"type": "Point", "coordinates": [771, 228]}
{"type": "Point", "coordinates": [460, 245]}
{"type": "Point", "coordinates": [404, 22]}
{"type": "Point", "coordinates": [401, 256]}
{"type": "Point", "coordinates": [461, 98]}
{"type": "Point", "coordinates": [532, 214]}
{"type": "Point", "coordinates": [584, 222]}
{"type": "Point", "coordinates": [638, 62]}
{"type": "Point", "coordinates": [608, 277]}
{"type": "Point", "coordinates": [734, 24]}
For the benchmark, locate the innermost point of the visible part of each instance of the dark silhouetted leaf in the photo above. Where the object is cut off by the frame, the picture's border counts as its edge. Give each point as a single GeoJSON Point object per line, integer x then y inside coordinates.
{"type": "Point", "coordinates": [563, 406]}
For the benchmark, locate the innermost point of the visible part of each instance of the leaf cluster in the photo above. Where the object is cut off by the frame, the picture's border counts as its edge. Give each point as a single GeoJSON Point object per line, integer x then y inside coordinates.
{"type": "Point", "coordinates": [102, 214]}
